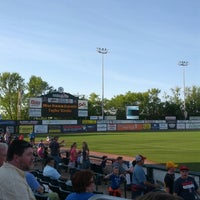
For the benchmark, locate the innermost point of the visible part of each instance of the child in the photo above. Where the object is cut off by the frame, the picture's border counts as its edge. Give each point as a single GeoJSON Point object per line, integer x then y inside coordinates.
{"type": "Point", "coordinates": [115, 182]}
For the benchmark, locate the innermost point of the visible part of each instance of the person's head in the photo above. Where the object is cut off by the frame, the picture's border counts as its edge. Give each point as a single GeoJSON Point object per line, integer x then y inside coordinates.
{"type": "Point", "coordinates": [159, 195]}
{"type": "Point", "coordinates": [82, 181]}
{"type": "Point", "coordinates": [3, 153]}
{"type": "Point", "coordinates": [140, 159]}
{"type": "Point", "coordinates": [85, 145]}
{"type": "Point", "coordinates": [116, 170]}
{"type": "Point", "coordinates": [120, 159]}
{"type": "Point", "coordinates": [20, 154]}
{"type": "Point", "coordinates": [171, 166]}
{"type": "Point", "coordinates": [56, 138]}
{"type": "Point", "coordinates": [184, 171]}
{"type": "Point", "coordinates": [73, 145]}
{"type": "Point", "coordinates": [49, 161]}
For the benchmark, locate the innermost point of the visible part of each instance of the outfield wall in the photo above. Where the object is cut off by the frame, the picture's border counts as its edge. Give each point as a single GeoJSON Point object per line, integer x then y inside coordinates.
{"type": "Point", "coordinates": [70, 126]}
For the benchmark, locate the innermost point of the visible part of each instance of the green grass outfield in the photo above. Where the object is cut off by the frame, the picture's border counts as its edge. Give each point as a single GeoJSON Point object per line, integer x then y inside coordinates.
{"type": "Point", "coordinates": [182, 147]}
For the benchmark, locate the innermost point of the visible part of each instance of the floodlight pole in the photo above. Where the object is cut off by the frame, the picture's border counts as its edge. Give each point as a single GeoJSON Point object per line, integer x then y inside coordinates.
{"type": "Point", "coordinates": [183, 64]}
{"type": "Point", "coordinates": [102, 51]}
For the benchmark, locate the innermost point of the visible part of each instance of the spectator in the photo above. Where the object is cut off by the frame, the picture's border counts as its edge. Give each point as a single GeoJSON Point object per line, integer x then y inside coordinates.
{"type": "Point", "coordinates": [159, 195]}
{"type": "Point", "coordinates": [120, 164]}
{"type": "Point", "coordinates": [7, 137]}
{"type": "Point", "coordinates": [79, 159]}
{"type": "Point", "coordinates": [41, 144]}
{"type": "Point", "coordinates": [73, 156]}
{"type": "Point", "coordinates": [170, 176]}
{"type": "Point", "coordinates": [50, 171]}
{"type": "Point", "coordinates": [33, 183]}
{"type": "Point", "coordinates": [83, 185]}
{"type": "Point", "coordinates": [41, 152]}
{"type": "Point", "coordinates": [13, 184]}
{"type": "Point", "coordinates": [32, 137]}
{"type": "Point", "coordinates": [85, 154]}
{"type": "Point", "coordinates": [116, 180]}
{"type": "Point", "coordinates": [3, 153]}
{"type": "Point", "coordinates": [103, 162]}
{"type": "Point", "coordinates": [140, 185]}
{"type": "Point", "coordinates": [185, 186]}
{"type": "Point", "coordinates": [38, 188]}
{"type": "Point", "coordinates": [21, 137]}
{"type": "Point", "coordinates": [54, 146]}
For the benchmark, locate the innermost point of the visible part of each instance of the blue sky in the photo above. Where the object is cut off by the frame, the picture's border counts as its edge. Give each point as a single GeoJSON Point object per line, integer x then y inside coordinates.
{"type": "Point", "coordinates": [57, 40]}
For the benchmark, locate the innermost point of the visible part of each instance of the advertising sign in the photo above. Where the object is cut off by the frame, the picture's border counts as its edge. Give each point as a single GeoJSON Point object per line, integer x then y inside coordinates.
{"type": "Point", "coordinates": [59, 105]}
{"type": "Point", "coordinates": [132, 112]}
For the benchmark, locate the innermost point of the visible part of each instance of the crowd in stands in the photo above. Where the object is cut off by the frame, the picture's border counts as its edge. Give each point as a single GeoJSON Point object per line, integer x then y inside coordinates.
{"type": "Point", "coordinates": [19, 180]}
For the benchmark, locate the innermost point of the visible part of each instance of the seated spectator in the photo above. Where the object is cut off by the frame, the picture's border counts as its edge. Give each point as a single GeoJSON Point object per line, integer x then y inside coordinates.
{"type": "Point", "coordinates": [13, 185]}
{"type": "Point", "coordinates": [83, 185]}
{"type": "Point", "coordinates": [159, 195]}
{"type": "Point", "coordinates": [33, 183]}
{"type": "Point", "coordinates": [36, 187]}
{"type": "Point", "coordinates": [50, 171]}
{"type": "Point", "coordinates": [3, 153]}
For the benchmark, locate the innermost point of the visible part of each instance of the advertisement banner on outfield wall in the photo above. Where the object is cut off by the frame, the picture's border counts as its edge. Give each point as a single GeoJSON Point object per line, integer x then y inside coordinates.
{"type": "Point", "coordinates": [180, 126]}
{"type": "Point", "coordinates": [101, 127]}
{"type": "Point", "coordinates": [25, 129]}
{"type": "Point", "coordinates": [112, 127]}
{"type": "Point", "coordinates": [74, 128]}
{"type": "Point", "coordinates": [154, 126]}
{"type": "Point", "coordinates": [192, 125]}
{"type": "Point", "coordinates": [41, 129]}
{"type": "Point", "coordinates": [147, 126]}
{"type": "Point", "coordinates": [91, 127]}
{"type": "Point", "coordinates": [88, 121]}
{"type": "Point", "coordinates": [54, 129]}
{"type": "Point", "coordinates": [59, 122]}
{"type": "Point", "coordinates": [171, 125]}
{"type": "Point", "coordinates": [163, 126]}
{"type": "Point", "coordinates": [129, 127]}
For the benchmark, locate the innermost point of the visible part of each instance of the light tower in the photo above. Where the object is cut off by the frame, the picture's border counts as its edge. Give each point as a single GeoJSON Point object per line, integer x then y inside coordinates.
{"type": "Point", "coordinates": [184, 64]}
{"type": "Point", "coordinates": [102, 51]}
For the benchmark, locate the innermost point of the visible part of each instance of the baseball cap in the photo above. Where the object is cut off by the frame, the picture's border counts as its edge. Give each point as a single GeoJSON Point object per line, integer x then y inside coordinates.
{"type": "Point", "coordinates": [183, 167]}
{"type": "Point", "coordinates": [139, 158]}
{"type": "Point", "coordinates": [171, 164]}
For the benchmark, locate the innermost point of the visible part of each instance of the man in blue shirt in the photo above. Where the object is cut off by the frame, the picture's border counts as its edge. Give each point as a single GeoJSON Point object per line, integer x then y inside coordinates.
{"type": "Point", "coordinates": [139, 181]}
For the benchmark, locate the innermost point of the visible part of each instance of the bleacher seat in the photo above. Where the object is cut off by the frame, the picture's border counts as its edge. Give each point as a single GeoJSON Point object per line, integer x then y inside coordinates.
{"type": "Point", "coordinates": [54, 188]}
{"type": "Point", "coordinates": [63, 193]}
{"type": "Point", "coordinates": [40, 196]}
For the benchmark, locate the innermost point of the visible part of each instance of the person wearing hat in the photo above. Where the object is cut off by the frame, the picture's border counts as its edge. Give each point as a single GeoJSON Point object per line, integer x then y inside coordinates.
{"type": "Point", "coordinates": [140, 185]}
{"type": "Point", "coordinates": [170, 176]}
{"type": "Point", "coordinates": [185, 186]}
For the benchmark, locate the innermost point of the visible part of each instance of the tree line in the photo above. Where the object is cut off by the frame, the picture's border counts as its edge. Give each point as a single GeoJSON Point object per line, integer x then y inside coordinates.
{"type": "Point", "coordinates": [15, 94]}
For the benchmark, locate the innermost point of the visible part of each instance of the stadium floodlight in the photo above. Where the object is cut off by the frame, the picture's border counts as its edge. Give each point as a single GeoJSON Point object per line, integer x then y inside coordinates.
{"type": "Point", "coordinates": [184, 64]}
{"type": "Point", "coordinates": [102, 51]}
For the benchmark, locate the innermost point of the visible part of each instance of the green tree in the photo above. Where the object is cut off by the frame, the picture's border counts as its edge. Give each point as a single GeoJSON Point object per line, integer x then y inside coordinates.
{"type": "Point", "coordinates": [36, 87]}
{"type": "Point", "coordinates": [94, 105]}
{"type": "Point", "coordinates": [193, 101]}
{"type": "Point", "coordinates": [12, 87]}
{"type": "Point", "coordinates": [173, 105]}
